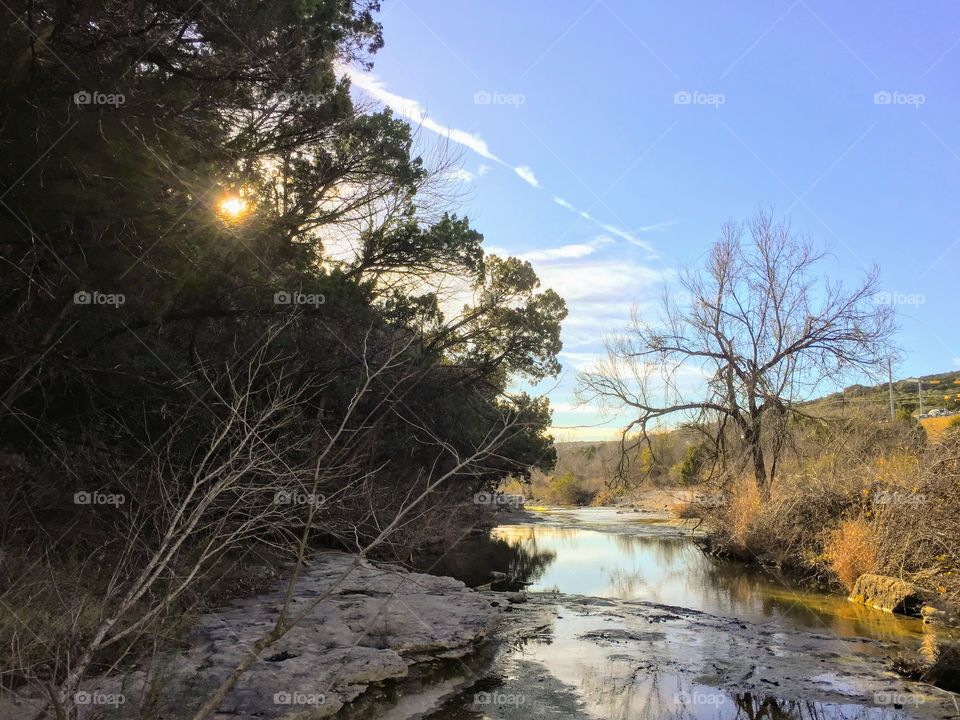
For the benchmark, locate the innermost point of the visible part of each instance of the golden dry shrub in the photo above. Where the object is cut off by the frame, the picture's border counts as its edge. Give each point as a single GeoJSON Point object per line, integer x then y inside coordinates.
{"type": "Point", "coordinates": [742, 511]}
{"type": "Point", "coordinates": [898, 469]}
{"type": "Point", "coordinates": [851, 550]}
{"type": "Point", "coordinates": [684, 510]}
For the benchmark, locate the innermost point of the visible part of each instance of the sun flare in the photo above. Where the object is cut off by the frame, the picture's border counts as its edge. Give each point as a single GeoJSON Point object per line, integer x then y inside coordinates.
{"type": "Point", "coordinates": [232, 207]}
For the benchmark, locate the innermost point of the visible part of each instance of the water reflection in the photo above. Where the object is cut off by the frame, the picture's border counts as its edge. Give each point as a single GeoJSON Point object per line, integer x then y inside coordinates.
{"type": "Point", "coordinates": [480, 560]}
{"type": "Point", "coordinates": [661, 675]}
{"type": "Point", "coordinates": [674, 571]}
{"type": "Point", "coordinates": [616, 668]}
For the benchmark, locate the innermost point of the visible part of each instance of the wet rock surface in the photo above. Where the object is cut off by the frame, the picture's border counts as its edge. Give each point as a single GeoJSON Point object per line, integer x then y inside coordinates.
{"type": "Point", "coordinates": [376, 627]}
{"type": "Point", "coordinates": [620, 659]}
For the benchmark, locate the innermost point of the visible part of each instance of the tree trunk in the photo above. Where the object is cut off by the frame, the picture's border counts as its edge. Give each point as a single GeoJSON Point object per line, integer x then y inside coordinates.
{"type": "Point", "coordinates": [759, 467]}
{"type": "Point", "coordinates": [752, 436]}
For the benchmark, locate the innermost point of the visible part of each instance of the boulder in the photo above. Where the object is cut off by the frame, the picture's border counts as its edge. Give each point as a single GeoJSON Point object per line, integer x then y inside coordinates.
{"type": "Point", "coordinates": [888, 593]}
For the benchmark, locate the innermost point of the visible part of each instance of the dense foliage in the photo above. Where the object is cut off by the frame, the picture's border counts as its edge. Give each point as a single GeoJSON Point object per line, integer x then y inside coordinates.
{"type": "Point", "coordinates": [185, 187]}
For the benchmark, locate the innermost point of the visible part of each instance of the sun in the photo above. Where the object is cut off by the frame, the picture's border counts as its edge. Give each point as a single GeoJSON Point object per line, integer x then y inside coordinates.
{"type": "Point", "coordinates": [232, 207]}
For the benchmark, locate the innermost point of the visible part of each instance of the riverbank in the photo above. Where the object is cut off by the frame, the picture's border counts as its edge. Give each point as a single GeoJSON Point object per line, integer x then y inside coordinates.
{"type": "Point", "coordinates": [379, 629]}
{"type": "Point", "coordinates": [627, 618]}
{"type": "Point", "coordinates": [623, 616]}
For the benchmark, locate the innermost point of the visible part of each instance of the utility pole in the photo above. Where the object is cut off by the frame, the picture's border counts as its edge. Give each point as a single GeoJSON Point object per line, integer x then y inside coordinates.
{"type": "Point", "coordinates": [919, 383]}
{"type": "Point", "coordinates": [890, 385]}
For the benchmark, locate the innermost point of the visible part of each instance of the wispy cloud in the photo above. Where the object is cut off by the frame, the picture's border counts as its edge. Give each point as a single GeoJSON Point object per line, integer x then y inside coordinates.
{"type": "Point", "coordinates": [525, 172]}
{"type": "Point", "coordinates": [461, 175]}
{"type": "Point", "coordinates": [566, 252]}
{"type": "Point", "coordinates": [416, 113]}
{"type": "Point", "coordinates": [657, 226]}
{"type": "Point", "coordinates": [628, 236]}
{"type": "Point", "coordinates": [619, 232]}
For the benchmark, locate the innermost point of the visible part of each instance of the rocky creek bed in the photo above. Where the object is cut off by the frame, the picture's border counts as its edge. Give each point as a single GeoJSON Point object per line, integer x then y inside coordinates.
{"type": "Point", "coordinates": [570, 656]}
{"type": "Point", "coordinates": [653, 629]}
{"type": "Point", "coordinates": [381, 629]}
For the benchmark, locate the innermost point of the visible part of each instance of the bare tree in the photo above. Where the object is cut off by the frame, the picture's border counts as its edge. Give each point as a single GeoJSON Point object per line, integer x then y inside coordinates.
{"type": "Point", "coordinates": [759, 331]}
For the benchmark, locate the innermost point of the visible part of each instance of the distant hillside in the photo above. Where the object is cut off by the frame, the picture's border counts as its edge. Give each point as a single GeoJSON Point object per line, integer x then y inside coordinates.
{"type": "Point", "coordinates": [586, 459]}
{"type": "Point", "coordinates": [941, 390]}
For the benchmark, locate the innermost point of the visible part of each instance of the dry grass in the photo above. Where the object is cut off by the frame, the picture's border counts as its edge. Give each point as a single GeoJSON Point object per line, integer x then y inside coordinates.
{"type": "Point", "coordinates": [743, 511]}
{"type": "Point", "coordinates": [858, 506]}
{"type": "Point", "coordinates": [685, 510]}
{"type": "Point", "coordinates": [936, 426]}
{"type": "Point", "coordinates": [851, 550]}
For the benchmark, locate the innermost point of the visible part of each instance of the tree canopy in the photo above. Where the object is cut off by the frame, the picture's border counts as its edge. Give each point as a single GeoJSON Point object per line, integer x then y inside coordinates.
{"type": "Point", "coordinates": [757, 332]}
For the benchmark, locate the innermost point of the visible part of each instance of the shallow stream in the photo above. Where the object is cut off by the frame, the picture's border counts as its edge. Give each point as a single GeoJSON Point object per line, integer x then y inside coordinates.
{"type": "Point", "coordinates": [627, 618]}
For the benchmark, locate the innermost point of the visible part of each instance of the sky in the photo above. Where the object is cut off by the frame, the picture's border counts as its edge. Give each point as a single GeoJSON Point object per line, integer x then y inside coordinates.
{"type": "Point", "coordinates": [607, 140]}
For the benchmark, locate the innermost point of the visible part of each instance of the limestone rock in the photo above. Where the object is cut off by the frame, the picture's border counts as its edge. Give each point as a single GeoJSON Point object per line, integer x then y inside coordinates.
{"type": "Point", "coordinates": [887, 593]}
{"type": "Point", "coordinates": [378, 623]}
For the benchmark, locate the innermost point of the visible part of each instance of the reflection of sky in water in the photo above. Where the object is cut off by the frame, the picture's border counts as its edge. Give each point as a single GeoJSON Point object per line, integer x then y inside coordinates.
{"type": "Point", "coordinates": [615, 686]}
{"type": "Point", "coordinates": [673, 571]}
{"type": "Point", "coordinates": [622, 668]}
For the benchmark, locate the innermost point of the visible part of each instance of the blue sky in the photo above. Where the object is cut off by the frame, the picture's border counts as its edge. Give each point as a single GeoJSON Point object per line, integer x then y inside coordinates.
{"type": "Point", "coordinates": [607, 141]}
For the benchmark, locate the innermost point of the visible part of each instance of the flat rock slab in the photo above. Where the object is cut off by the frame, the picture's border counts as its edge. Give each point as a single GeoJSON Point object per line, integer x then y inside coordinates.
{"type": "Point", "coordinates": [377, 623]}
{"type": "Point", "coordinates": [609, 658]}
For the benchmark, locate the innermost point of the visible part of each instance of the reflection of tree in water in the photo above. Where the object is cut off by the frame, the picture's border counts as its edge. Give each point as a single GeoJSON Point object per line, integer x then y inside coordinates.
{"type": "Point", "coordinates": [751, 707]}
{"type": "Point", "coordinates": [625, 584]}
{"type": "Point", "coordinates": [474, 558]}
{"type": "Point", "coordinates": [527, 563]}
{"type": "Point", "coordinates": [741, 587]}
